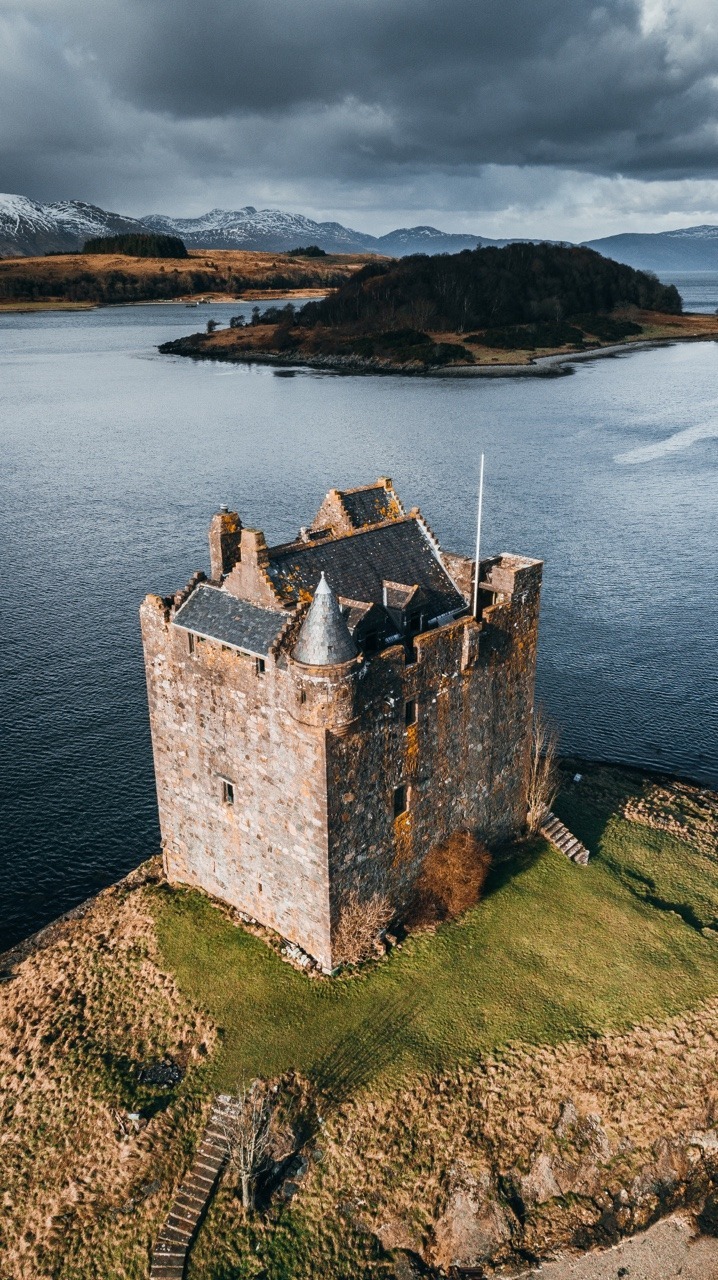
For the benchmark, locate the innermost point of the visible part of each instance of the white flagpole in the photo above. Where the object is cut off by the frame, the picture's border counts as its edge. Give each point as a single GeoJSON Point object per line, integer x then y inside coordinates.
{"type": "Point", "coordinates": [478, 538]}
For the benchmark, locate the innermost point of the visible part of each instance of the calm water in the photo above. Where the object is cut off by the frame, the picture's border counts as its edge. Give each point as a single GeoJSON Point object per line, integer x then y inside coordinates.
{"type": "Point", "coordinates": [114, 458]}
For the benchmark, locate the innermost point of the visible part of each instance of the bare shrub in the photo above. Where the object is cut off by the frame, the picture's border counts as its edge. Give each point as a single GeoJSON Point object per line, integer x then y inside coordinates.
{"type": "Point", "coordinates": [451, 879]}
{"type": "Point", "coordinates": [544, 778]}
{"type": "Point", "coordinates": [359, 926]}
{"type": "Point", "coordinates": [246, 1126]}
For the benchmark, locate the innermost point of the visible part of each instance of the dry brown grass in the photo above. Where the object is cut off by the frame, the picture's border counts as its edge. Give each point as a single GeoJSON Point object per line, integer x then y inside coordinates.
{"type": "Point", "coordinates": [359, 926]}
{"type": "Point", "coordinates": [310, 344]}
{"type": "Point", "coordinates": [80, 1182]}
{"type": "Point", "coordinates": [686, 811]}
{"type": "Point", "coordinates": [310, 274]}
{"type": "Point", "coordinates": [651, 1087]}
{"type": "Point", "coordinates": [451, 880]}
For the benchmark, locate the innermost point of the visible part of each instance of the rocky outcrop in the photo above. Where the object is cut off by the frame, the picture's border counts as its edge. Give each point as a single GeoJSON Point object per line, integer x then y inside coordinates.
{"type": "Point", "coordinates": [476, 1226]}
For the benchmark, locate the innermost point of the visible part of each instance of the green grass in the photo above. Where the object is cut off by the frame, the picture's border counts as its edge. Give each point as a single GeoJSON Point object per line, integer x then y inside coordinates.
{"type": "Point", "coordinates": [554, 951]}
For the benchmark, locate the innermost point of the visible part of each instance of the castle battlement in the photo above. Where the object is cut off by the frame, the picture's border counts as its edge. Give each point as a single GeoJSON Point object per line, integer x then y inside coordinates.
{"type": "Point", "coordinates": [324, 712]}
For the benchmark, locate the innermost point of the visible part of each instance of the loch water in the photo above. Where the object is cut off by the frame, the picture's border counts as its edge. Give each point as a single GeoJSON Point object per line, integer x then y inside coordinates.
{"type": "Point", "coordinates": [114, 458]}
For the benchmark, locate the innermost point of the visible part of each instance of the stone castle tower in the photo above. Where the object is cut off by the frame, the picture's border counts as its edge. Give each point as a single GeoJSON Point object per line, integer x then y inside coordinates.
{"type": "Point", "coordinates": [326, 711]}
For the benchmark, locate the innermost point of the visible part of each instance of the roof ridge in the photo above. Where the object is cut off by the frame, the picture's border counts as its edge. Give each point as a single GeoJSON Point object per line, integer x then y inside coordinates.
{"type": "Point", "coordinates": [290, 630]}
{"type": "Point", "coordinates": [429, 534]}
{"type": "Point", "coordinates": [285, 547]}
{"type": "Point", "coordinates": [364, 488]}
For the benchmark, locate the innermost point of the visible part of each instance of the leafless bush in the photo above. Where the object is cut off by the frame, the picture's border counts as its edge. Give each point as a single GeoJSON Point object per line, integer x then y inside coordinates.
{"type": "Point", "coordinates": [544, 780]}
{"type": "Point", "coordinates": [451, 879]}
{"type": "Point", "coordinates": [246, 1128]}
{"type": "Point", "coordinates": [360, 924]}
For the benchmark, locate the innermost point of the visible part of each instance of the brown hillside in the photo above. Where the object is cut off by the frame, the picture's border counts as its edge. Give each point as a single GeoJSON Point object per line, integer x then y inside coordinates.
{"type": "Point", "coordinates": [222, 273]}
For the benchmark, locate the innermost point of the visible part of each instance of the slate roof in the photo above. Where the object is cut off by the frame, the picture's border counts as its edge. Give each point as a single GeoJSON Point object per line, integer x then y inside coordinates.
{"type": "Point", "coordinates": [370, 506]}
{"type": "Point", "coordinates": [356, 565]}
{"type": "Point", "coordinates": [220, 616]}
{"type": "Point", "coordinates": [324, 637]}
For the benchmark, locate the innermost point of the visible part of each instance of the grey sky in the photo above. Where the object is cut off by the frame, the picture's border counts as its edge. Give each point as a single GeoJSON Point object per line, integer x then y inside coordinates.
{"type": "Point", "coordinates": [565, 118]}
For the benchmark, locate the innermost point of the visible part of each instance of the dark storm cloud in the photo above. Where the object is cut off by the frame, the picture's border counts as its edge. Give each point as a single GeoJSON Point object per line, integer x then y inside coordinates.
{"type": "Point", "coordinates": [564, 82]}
{"type": "Point", "coordinates": [372, 92]}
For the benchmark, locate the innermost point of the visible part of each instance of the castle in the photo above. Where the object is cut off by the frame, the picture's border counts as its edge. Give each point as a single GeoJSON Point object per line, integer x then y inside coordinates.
{"type": "Point", "coordinates": [326, 711]}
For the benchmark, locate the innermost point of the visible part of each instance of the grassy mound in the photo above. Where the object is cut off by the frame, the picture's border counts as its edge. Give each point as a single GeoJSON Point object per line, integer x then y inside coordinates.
{"type": "Point", "coordinates": [552, 952]}
{"type": "Point", "coordinates": [457, 1052]}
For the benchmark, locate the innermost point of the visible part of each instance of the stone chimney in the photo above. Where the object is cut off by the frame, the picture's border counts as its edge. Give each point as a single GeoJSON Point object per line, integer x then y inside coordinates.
{"type": "Point", "coordinates": [225, 533]}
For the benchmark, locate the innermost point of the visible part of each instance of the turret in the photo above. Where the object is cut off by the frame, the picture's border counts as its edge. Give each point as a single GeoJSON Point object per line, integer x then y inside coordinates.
{"type": "Point", "coordinates": [324, 638]}
{"type": "Point", "coordinates": [325, 664]}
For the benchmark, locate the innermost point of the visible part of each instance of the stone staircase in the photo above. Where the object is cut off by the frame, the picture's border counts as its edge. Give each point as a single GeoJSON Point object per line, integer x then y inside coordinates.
{"type": "Point", "coordinates": [169, 1256]}
{"type": "Point", "coordinates": [560, 836]}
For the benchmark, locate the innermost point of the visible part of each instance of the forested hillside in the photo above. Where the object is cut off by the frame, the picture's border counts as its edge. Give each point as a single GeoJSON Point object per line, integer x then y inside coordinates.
{"type": "Point", "coordinates": [489, 288]}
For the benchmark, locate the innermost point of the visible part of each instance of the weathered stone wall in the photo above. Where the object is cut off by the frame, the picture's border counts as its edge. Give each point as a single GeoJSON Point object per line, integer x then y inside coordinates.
{"type": "Point", "coordinates": [214, 718]}
{"type": "Point", "coordinates": [314, 756]}
{"type": "Point", "coordinates": [465, 759]}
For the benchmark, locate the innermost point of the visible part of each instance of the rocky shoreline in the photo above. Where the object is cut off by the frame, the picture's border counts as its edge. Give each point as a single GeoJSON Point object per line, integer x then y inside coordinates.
{"type": "Point", "coordinates": [558, 364]}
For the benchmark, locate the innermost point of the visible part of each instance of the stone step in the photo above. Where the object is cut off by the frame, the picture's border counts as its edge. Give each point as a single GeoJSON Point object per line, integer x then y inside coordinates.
{"type": "Point", "coordinates": [169, 1256]}
{"type": "Point", "coordinates": [172, 1238]}
{"type": "Point", "coordinates": [562, 839]}
{"type": "Point", "coordinates": [201, 1185]}
{"type": "Point", "coordinates": [174, 1264]}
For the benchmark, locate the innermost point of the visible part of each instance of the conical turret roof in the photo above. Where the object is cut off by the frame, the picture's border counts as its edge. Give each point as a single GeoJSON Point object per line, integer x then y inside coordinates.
{"type": "Point", "coordinates": [324, 637]}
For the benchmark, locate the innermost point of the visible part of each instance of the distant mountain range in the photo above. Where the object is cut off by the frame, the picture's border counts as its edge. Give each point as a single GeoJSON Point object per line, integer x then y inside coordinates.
{"type": "Point", "coordinates": [28, 229]}
{"type": "Point", "coordinates": [686, 249]}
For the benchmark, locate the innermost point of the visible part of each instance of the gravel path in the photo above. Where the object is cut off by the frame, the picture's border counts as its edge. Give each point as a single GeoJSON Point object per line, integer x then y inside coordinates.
{"type": "Point", "coordinates": [666, 1251]}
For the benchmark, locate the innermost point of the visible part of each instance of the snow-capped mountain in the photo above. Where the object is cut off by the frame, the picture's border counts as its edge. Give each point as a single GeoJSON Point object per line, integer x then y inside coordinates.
{"type": "Point", "coordinates": [28, 228]}
{"type": "Point", "coordinates": [251, 228]}
{"type": "Point", "coordinates": [271, 229]}
{"type": "Point", "coordinates": [685, 249]}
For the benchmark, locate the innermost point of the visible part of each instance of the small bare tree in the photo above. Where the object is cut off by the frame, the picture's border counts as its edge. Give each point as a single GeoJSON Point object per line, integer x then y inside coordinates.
{"type": "Point", "coordinates": [544, 778]}
{"type": "Point", "coordinates": [359, 925]}
{"type": "Point", "coordinates": [246, 1128]}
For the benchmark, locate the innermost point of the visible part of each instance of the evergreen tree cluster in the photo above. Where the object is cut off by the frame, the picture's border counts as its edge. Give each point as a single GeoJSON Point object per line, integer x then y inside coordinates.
{"type": "Point", "coordinates": [521, 284]}
{"type": "Point", "coordinates": [138, 246]}
{"type": "Point", "coordinates": [310, 251]}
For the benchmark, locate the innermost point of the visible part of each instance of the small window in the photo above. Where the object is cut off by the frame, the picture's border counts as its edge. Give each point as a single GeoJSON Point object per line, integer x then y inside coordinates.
{"type": "Point", "coordinates": [410, 711]}
{"type": "Point", "coordinates": [259, 666]}
{"type": "Point", "coordinates": [401, 800]}
{"type": "Point", "coordinates": [227, 791]}
{"type": "Point", "coordinates": [190, 642]}
{"type": "Point", "coordinates": [302, 696]}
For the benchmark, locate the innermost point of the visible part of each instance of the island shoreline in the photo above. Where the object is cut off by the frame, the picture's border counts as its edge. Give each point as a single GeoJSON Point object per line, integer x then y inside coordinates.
{"type": "Point", "coordinates": [553, 365]}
